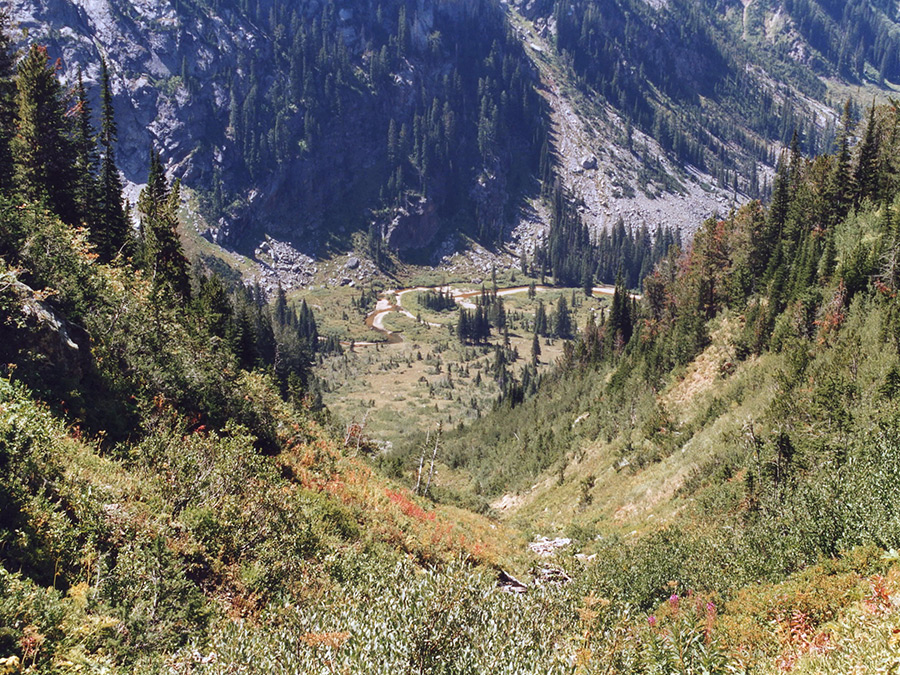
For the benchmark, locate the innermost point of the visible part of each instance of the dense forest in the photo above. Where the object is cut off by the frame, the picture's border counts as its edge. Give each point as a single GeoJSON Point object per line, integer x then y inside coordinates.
{"type": "Point", "coordinates": [576, 258]}
{"type": "Point", "coordinates": [443, 111]}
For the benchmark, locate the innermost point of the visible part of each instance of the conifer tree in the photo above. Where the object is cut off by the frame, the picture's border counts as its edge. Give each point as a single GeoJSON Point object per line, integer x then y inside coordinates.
{"type": "Point", "coordinates": [865, 179]}
{"type": "Point", "coordinates": [214, 306]}
{"type": "Point", "coordinates": [463, 328]}
{"type": "Point", "coordinates": [163, 256]}
{"type": "Point", "coordinates": [113, 230]}
{"type": "Point", "coordinates": [777, 217]}
{"type": "Point", "coordinates": [562, 319]}
{"type": "Point", "coordinates": [7, 103]}
{"type": "Point", "coordinates": [85, 149]}
{"type": "Point", "coordinates": [42, 152]}
{"type": "Point", "coordinates": [153, 196]}
{"type": "Point", "coordinates": [839, 180]}
{"type": "Point", "coordinates": [620, 315]}
{"type": "Point", "coordinates": [306, 327]}
{"type": "Point", "coordinates": [540, 319]}
{"type": "Point", "coordinates": [280, 308]}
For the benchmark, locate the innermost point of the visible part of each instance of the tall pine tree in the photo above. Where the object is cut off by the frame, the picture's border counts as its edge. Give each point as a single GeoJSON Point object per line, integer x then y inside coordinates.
{"type": "Point", "coordinates": [865, 179]}
{"type": "Point", "coordinates": [839, 180]}
{"type": "Point", "coordinates": [113, 233]}
{"type": "Point", "coordinates": [7, 103]}
{"type": "Point", "coordinates": [42, 151]}
{"type": "Point", "coordinates": [163, 256]}
{"type": "Point", "coordinates": [84, 145]}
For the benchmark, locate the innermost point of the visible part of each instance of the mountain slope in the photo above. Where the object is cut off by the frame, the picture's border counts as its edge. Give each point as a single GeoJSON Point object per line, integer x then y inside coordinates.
{"type": "Point", "coordinates": [666, 110]}
{"type": "Point", "coordinates": [311, 122]}
{"type": "Point", "coordinates": [759, 362]}
{"type": "Point", "coordinates": [308, 122]}
{"type": "Point", "coordinates": [174, 500]}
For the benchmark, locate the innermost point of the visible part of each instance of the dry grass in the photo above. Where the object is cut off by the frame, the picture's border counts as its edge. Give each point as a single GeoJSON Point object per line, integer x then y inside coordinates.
{"type": "Point", "coordinates": [403, 389]}
{"type": "Point", "coordinates": [632, 500]}
{"type": "Point", "coordinates": [704, 374]}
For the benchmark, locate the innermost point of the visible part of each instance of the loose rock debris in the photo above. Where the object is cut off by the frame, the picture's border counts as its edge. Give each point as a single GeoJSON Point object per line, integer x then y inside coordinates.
{"type": "Point", "coordinates": [544, 546]}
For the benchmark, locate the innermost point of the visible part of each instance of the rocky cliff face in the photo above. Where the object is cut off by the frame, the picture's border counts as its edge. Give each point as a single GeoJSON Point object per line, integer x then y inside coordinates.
{"type": "Point", "coordinates": [150, 49]}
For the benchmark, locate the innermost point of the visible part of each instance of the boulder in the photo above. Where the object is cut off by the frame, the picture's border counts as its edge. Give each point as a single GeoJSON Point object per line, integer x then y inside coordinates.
{"type": "Point", "coordinates": [65, 347]}
{"type": "Point", "coordinates": [413, 227]}
{"type": "Point", "coordinates": [509, 584]}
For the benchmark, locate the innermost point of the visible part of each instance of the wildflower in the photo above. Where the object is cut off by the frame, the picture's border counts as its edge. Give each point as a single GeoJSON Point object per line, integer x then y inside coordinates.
{"type": "Point", "coordinates": [673, 601]}
{"type": "Point", "coordinates": [710, 620]}
{"type": "Point", "coordinates": [652, 621]}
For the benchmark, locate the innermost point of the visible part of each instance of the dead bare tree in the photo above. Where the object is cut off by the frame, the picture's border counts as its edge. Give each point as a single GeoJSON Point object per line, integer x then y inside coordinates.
{"type": "Point", "coordinates": [422, 462]}
{"type": "Point", "coordinates": [437, 440]}
{"type": "Point", "coordinates": [355, 432]}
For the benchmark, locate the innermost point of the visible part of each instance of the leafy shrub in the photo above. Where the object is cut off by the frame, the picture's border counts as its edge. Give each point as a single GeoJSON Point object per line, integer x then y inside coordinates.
{"type": "Point", "coordinates": [158, 607]}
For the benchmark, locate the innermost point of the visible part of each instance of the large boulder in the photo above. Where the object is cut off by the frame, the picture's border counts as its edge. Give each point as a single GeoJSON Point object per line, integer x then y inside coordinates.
{"type": "Point", "coordinates": [64, 348]}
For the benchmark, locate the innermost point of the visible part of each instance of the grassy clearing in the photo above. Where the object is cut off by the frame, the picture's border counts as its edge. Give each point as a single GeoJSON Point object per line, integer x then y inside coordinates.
{"type": "Point", "coordinates": [402, 390]}
{"type": "Point", "coordinates": [341, 310]}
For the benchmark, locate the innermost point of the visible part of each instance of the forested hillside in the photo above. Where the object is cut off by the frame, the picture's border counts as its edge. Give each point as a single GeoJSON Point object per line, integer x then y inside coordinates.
{"type": "Point", "coordinates": [721, 85]}
{"type": "Point", "coordinates": [777, 279]}
{"type": "Point", "coordinates": [412, 122]}
{"type": "Point", "coordinates": [310, 121]}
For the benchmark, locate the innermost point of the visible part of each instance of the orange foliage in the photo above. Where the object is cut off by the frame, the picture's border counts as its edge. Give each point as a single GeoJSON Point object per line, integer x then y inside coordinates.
{"type": "Point", "coordinates": [333, 640]}
{"type": "Point", "coordinates": [409, 508]}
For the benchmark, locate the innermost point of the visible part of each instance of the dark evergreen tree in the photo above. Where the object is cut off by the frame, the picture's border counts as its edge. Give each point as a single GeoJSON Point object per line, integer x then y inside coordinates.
{"type": "Point", "coordinates": [620, 326]}
{"type": "Point", "coordinates": [865, 178]}
{"type": "Point", "coordinates": [113, 231]}
{"type": "Point", "coordinates": [84, 147]}
{"type": "Point", "coordinates": [42, 151]}
{"type": "Point", "coordinates": [437, 301]}
{"type": "Point", "coordinates": [839, 181]}
{"type": "Point", "coordinates": [162, 253]}
{"type": "Point", "coordinates": [7, 103]}
{"type": "Point", "coordinates": [562, 320]}
{"type": "Point", "coordinates": [541, 326]}
{"type": "Point", "coordinates": [214, 306]}
{"type": "Point", "coordinates": [307, 329]}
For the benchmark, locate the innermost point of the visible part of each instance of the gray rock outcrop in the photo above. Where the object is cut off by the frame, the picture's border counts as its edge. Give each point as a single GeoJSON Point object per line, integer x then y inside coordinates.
{"type": "Point", "coordinates": [64, 347]}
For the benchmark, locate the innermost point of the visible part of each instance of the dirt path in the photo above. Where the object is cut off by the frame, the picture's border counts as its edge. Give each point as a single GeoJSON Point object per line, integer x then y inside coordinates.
{"type": "Point", "coordinates": [462, 297]}
{"type": "Point", "coordinates": [375, 321]}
